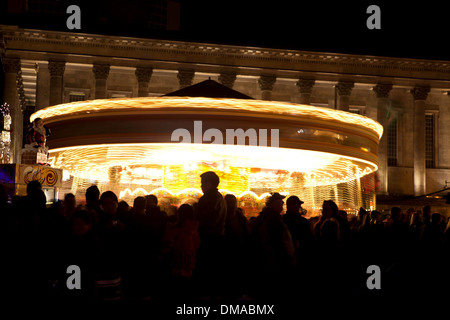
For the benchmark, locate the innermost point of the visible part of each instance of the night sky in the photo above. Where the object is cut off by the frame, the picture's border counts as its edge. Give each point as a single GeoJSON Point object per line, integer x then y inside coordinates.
{"type": "Point", "coordinates": [408, 28]}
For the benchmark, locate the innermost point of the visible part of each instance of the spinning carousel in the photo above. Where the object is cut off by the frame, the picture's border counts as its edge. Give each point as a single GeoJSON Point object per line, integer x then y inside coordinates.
{"type": "Point", "coordinates": [160, 145]}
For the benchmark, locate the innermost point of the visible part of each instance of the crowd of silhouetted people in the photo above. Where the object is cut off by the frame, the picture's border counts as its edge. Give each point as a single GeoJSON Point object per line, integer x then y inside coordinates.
{"type": "Point", "coordinates": [210, 250]}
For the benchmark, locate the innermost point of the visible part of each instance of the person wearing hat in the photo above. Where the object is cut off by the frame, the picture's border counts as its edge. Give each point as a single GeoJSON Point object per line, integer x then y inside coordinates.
{"type": "Point", "coordinates": [298, 226]}
{"type": "Point", "coordinates": [275, 201]}
{"type": "Point", "coordinates": [273, 250]}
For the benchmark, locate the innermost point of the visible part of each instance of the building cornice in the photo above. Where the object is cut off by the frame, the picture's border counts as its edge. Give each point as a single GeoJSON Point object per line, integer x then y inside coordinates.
{"type": "Point", "coordinates": [67, 43]}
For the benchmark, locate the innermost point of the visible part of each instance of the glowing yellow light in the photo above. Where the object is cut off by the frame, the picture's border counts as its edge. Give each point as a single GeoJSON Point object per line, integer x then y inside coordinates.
{"type": "Point", "coordinates": [248, 194]}
{"type": "Point", "coordinates": [249, 172]}
{"type": "Point", "coordinates": [95, 161]}
{"type": "Point", "coordinates": [101, 107]}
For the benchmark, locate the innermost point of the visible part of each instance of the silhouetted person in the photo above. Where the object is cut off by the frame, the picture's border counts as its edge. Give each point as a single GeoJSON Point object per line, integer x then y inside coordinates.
{"type": "Point", "coordinates": [54, 228]}
{"type": "Point", "coordinates": [433, 233]}
{"type": "Point", "coordinates": [375, 217]}
{"type": "Point", "coordinates": [376, 229]}
{"type": "Point", "coordinates": [416, 228]}
{"type": "Point", "coordinates": [344, 227]}
{"type": "Point", "coordinates": [299, 226]}
{"type": "Point", "coordinates": [69, 205]}
{"type": "Point", "coordinates": [426, 211]}
{"type": "Point", "coordinates": [363, 221]}
{"type": "Point", "coordinates": [30, 245]}
{"type": "Point", "coordinates": [432, 262]}
{"type": "Point", "coordinates": [236, 229]}
{"type": "Point", "coordinates": [93, 204]}
{"type": "Point", "coordinates": [302, 237]}
{"type": "Point", "coordinates": [81, 249]}
{"type": "Point", "coordinates": [397, 247]}
{"type": "Point", "coordinates": [123, 211]}
{"type": "Point", "coordinates": [108, 218]}
{"type": "Point", "coordinates": [31, 207]}
{"type": "Point", "coordinates": [274, 253]}
{"type": "Point", "coordinates": [158, 218]}
{"type": "Point", "coordinates": [33, 187]}
{"type": "Point", "coordinates": [237, 245]}
{"type": "Point", "coordinates": [332, 260]}
{"type": "Point", "coordinates": [211, 207]}
{"type": "Point", "coordinates": [139, 205]}
{"type": "Point", "coordinates": [398, 229]}
{"type": "Point", "coordinates": [329, 210]}
{"type": "Point", "coordinates": [151, 203]}
{"type": "Point", "coordinates": [329, 235]}
{"type": "Point", "coordinates": [327, 228]}
{"type": "Point", "coordinates": [211, 215]}
{"type": "Point", "coordinates": [140, 268]}
{"type": "Point", "coordinates": [111, 233]}
{"type": "Point", "coordinates": [180, 245]}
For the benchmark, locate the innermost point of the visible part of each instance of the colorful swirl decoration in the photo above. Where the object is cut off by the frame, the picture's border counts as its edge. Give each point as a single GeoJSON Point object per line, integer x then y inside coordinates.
{"type": "Point", "coordinates": [46, 176]}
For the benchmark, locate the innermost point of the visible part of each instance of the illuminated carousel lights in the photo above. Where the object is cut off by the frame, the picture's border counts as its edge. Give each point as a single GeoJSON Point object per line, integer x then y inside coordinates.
{"type": "Point", "coordinates": [246, 195]}
{"type": "Point", "coordinates": [253, 169]}
{"type": "Point", "coordinates": [130, 154]}
{"type": "Point", "coordinates": [99, 106]}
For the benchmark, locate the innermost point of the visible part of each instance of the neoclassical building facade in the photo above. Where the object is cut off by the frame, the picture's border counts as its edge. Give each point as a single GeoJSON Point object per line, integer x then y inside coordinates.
{"type": "Point", "coordinates": [410, 98]}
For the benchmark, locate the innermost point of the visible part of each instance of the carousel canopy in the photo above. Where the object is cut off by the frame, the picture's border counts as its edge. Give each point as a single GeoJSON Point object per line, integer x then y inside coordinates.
{"type": "Point", "coordinates": [208, 89]}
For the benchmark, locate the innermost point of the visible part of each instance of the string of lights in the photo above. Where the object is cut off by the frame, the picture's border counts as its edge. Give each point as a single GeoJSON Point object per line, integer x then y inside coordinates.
{"type": "Point", "coordinates": [5, 138]}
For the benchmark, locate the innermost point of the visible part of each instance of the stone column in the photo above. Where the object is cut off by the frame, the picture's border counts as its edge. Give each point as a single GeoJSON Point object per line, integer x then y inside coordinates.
{"type": "Point", "coordinates": [266, 83]}
{"type": "Point", "coordinates": [444, 133]}
{"type": "Point", "coordinates": [305, 88]}
{"type": "Point", "coordinates": [382, 91]}
{"type": "Point", "coordinates": [227, 79]}
{"type": "Point", "coordinates": [11, 67]}
{"type": "Point", "coordinates": [344, 89]}
{"type": "Point", "coordinates": [185, 77]}
{"type": "Point", "coordinates": [420, 94]}
{"type": "Point", "coordinates": [101, 73]}
{"type": "Point", "coordinates": [143, 75]}
{"type": "Point", "coordinates": [42, 86]}
{"type": "Point", "coordinates": [56, 69]}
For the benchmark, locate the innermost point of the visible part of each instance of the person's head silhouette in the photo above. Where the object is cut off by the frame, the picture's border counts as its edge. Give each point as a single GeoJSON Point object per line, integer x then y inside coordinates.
{"type": "Point", "coordinates": [293, 204]}
{"type": "Point", "coordinates": [275, 202]}
{"type": "Point", "coordinates": [210, 181]}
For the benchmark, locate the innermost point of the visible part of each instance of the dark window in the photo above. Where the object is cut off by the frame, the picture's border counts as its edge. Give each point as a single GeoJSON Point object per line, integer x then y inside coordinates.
{"type": "Point", "coordinates": [392, 143]}
{"type": "Point", "coordinates": [76, 97]}
{"type": "Point", "coordinates": [355, 110]}
{"type": "Point", "coordinates": [429, 140]}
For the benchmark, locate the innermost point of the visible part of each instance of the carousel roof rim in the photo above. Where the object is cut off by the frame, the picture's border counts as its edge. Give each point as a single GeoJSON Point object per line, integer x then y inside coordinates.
{"type": "Point", "coordinates": [223, 104]}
